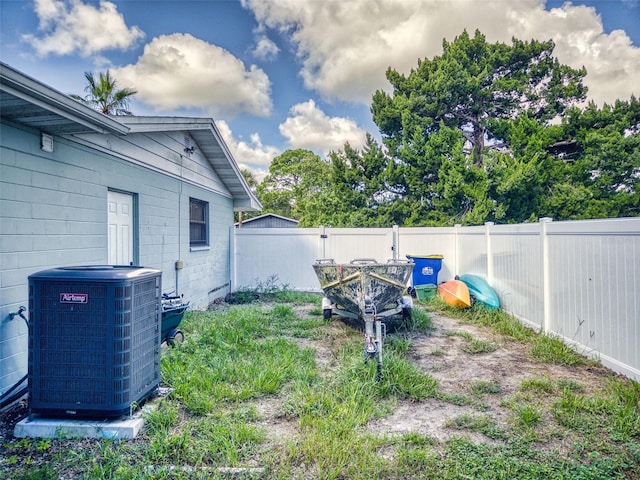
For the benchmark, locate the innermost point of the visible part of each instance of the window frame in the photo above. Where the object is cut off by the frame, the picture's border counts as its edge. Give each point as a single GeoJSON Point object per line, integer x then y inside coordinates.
{"type": "Point", "coordinates": [198, 225]}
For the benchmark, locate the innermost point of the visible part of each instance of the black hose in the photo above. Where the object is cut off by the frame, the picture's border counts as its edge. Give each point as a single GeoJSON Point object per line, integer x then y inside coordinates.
{"type": "Point", "coordinates": [15, 385]}
{"type": "Point", "coordinates": [4, 401]}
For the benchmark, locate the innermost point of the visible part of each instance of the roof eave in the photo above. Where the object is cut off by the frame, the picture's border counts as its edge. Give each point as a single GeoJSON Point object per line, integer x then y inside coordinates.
{"type": "Point", "coordinates": [52, 101]}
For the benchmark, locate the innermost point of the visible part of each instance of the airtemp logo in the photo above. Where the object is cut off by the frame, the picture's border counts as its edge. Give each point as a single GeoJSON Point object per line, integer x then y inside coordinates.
{"type": "Point", "coordinates": [74, 298]}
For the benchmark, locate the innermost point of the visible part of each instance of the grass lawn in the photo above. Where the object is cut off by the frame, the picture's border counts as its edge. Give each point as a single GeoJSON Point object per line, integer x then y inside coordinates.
{"type": "Point", "coordinates": [270, 390]}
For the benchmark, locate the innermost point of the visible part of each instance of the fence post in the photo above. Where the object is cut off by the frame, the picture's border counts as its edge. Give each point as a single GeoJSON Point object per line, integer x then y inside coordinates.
{"type": "Point", "coordinates": [456, 254]}
{"type": "Point", "coordinates": [487, 233]}
{"type": "Point", "coordinates": [395, 242]}
{"type": "Point", "coordinates": [546, 287]}
{"type": "Point", "coordinates": [233, 261]}
{"type": "Point", "coordinates": [323, 241]}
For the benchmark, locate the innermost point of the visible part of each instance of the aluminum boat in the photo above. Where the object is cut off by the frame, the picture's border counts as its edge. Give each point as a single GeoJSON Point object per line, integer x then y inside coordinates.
{"type": "Point", "coordinates": [364, 281]}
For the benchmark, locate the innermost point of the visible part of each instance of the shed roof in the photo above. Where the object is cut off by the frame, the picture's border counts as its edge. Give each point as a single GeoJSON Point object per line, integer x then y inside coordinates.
{"type": "Point", "coordinates": [267, 216]}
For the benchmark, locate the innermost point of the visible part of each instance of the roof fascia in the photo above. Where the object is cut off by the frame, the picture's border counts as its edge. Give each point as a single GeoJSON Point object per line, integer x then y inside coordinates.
{"type": "Point", "coordinates": [138, 124]}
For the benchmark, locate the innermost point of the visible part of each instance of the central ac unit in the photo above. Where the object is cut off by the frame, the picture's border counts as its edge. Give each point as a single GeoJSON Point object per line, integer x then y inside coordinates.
{"type": "Point", "coordinates": [94, 339]}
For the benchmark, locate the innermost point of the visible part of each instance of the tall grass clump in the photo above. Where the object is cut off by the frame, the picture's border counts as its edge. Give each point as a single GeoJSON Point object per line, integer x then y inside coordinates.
{"type": "Point", "coordinates": [283, 320]}
{"type": "Point", "coordinates": [483, 387]}
{"type": "Point", "coordinates": [297, 298]}
{"type": "Point", "coordinates": [482, 424]}
{"type": "Point", "coordinates": [420, 321]}
{"type": "Point", "coordinates": [538, 385]}
{"type": "Point", "coordinates": [272, 289]}
{"type": "Point", "coordinates": [549, 349]}
{"type": "Point", "coordinates": [402, 379]}
{"type": "Point", "coordinates": [527, 416]}
{"type": "Point", "coordinates": [614, 412]}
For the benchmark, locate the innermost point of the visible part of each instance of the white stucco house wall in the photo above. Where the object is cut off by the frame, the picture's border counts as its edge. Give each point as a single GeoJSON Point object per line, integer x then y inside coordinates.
{"type": "Point", "coordinates": [81, 188]}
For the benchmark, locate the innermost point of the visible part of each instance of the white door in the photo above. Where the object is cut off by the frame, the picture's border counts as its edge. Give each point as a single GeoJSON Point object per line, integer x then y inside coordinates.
{"type": "Point", "coordinates": [120, 223]}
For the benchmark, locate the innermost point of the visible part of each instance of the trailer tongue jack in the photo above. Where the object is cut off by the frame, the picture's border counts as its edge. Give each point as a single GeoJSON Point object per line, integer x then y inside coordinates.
{"type": "Point", "coordinates": [374, 333]}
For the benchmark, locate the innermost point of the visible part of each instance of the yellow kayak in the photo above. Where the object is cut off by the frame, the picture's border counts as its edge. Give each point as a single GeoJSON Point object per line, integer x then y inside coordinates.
{"type": "Point", "coordinates": [455, 293]}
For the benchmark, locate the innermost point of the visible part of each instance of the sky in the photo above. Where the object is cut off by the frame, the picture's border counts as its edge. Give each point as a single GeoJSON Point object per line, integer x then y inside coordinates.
{"type": "Point", "coordinates": [285, 74]}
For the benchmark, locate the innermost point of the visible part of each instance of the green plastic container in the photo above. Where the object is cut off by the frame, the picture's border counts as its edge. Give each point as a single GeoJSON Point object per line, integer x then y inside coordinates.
{"type": "Point", "coordinates": [426, 292]}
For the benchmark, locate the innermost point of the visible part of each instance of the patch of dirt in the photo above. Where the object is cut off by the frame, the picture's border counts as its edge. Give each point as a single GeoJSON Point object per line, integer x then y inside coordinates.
{"type": "Point", "coordinates": [441, 355]}
{"type": "Point", "coordinates": [277, 425]}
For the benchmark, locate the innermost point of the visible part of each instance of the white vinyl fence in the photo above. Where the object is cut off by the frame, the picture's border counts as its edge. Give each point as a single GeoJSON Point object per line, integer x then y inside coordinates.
{"type": "Point", "coordinates": [579, 280]}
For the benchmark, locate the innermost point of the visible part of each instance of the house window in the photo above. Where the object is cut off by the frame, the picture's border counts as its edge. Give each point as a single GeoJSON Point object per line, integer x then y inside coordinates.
{"type": "Point", "coordinates": [198, 223]}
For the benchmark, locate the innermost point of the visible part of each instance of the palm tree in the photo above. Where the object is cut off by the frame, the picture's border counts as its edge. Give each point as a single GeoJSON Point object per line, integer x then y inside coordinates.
{"type": "Point", "coordinates": [104, 96]}
{"type": "Point", "coordinates": [250, 178]}
{"type": "Point", "coordinates": [252, 181]}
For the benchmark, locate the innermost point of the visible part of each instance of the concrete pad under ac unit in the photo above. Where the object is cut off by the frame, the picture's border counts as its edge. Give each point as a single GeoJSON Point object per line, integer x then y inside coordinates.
{"type": "Point", "coordinates": [118, 429]}
{"type": "Point", "coordinates": [123, 428]}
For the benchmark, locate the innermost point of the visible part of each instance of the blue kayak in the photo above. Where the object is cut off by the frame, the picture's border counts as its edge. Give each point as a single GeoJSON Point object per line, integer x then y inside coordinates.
{"type": "Point", "coordinates": [480, 290]}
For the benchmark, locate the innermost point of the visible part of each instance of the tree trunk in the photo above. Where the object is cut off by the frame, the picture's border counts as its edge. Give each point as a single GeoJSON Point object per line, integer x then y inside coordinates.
{"type": "Point", "coordinates": [478, 144]}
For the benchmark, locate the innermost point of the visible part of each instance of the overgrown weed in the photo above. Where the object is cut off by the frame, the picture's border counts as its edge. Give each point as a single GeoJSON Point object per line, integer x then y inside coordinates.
{"type": "Point", "coordinates": [271, 289]}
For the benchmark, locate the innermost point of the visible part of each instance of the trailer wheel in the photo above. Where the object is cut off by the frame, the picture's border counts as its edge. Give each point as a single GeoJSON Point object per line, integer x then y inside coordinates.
{"type": "Point", "coordinates": [175, 337]}
{"type": "Point", "coordinates": [326, 313]}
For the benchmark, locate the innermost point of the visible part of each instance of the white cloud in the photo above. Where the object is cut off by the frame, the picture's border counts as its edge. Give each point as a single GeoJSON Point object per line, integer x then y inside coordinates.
{"type": "Point", "coordinates": [252, 155]}
{"type": "Point", "coordinates": [70, 27]}
{"type": "Point", "coordinates": [310, 128]}
{"type": "Point", "coordinates": [265, 49]}
{"type": "Point", "coordinates": [611, 60]}
{"type": "Point", "coordinates": [307, 127]}
{"type": "Point", "coordinates": [345, 47]}
{"type": "Point", "coordinates": [181, 71]}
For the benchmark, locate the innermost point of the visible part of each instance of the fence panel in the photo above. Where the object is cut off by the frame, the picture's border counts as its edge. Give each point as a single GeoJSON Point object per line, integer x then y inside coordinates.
{"type": "Point", "coordinates": [471, 245]}
{"type": "Point", "coordinates": [594, 280]}
{"type": "Point", "coordinates": [516, 267]}
{"type": "Point", "coordinates": [261, 254]}
{"type": "Point", "coordinates": [345, 244]}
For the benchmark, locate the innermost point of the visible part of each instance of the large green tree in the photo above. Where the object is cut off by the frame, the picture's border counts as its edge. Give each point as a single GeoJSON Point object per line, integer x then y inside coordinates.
{"type": "Point", "coordinates": [468, 137]}
{"type": "Point", "coordinates": [448, 124]}
{"type": "Point", "coordinates": [357, 189]}
{"type": "Point", "coordinates": [104, 95]}
{"type": "Point", "coordinates": [599, 149]}
{"type": "Point", "coordinates": [293, 178]}
{"type": "Point", "coordinates": [473, 86]}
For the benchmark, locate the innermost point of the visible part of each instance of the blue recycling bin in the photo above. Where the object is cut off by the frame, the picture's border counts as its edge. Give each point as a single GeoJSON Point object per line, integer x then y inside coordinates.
{"type": "Point", "coordinates": [425, 269]}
